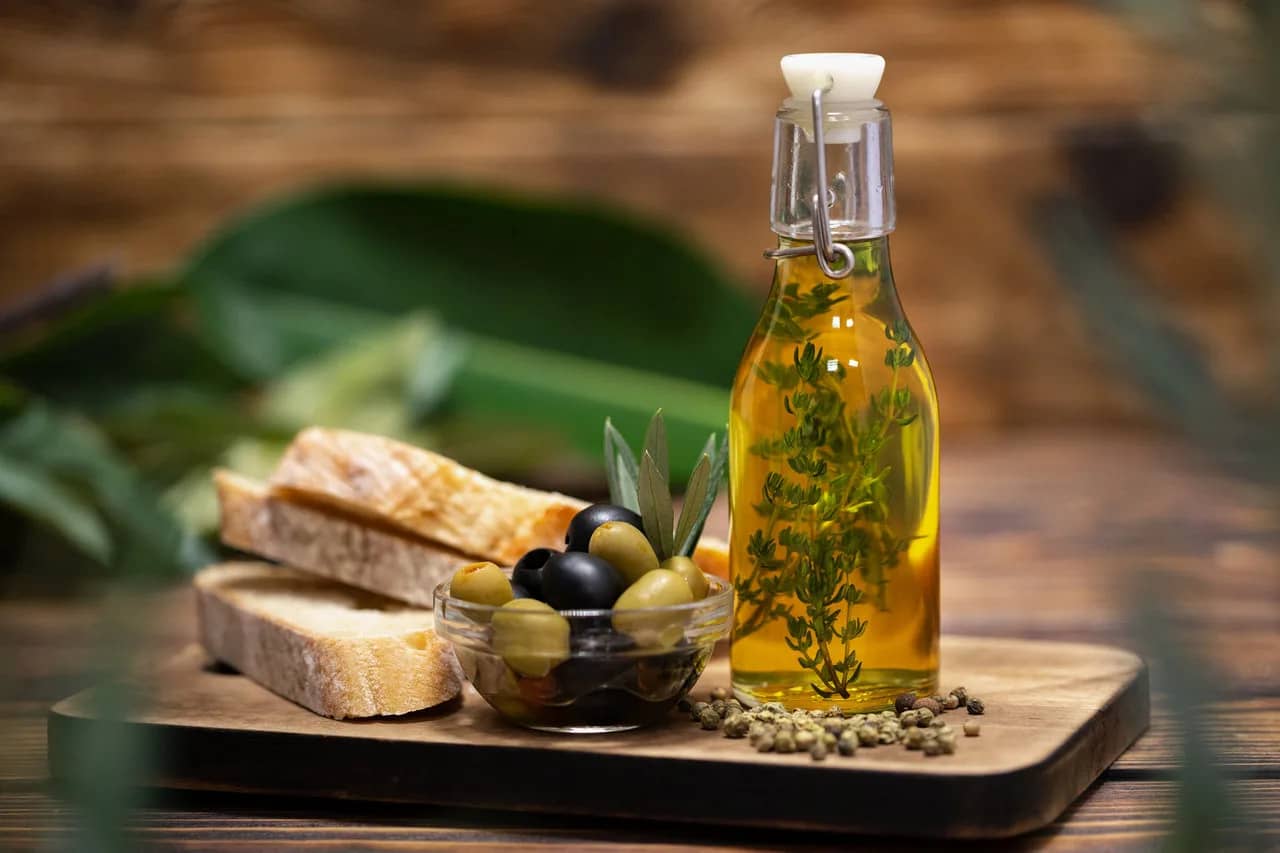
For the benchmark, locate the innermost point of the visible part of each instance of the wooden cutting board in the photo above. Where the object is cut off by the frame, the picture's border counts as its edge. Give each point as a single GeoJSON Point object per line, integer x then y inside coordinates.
{"type": "Point", "coordinates": [1058, 715]}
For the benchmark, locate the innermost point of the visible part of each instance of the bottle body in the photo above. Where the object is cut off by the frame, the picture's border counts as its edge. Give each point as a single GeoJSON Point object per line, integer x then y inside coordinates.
{"type": "Point", "coordinates": [834, 492]}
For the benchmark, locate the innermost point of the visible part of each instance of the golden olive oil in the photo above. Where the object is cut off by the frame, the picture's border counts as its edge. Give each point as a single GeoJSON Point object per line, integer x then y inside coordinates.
{"type": "Point", "coordinates": [834, 493]}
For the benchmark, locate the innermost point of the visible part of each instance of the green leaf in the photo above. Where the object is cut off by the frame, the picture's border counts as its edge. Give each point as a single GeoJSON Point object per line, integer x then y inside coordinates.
{"type": "Point", "coordinates": [524, 386]}
{"type": "Point", "coordinates": [628, 485]}
{"type": "Point", "coordinates": [617, 456]}
{"type": "Point", "coordinates": [655, 506]}
{"type": "Point", "coordinates": [146, 538]}
{"type": "Point", "coordinates": [34, 494]}
{"type": "Point", "coordinates": [545, 274]}
{"type": "Point", "coordinates": [716, 478]}
{"type": "Point", "coordinates": [694, 496]}
{"type": "Point", "coordinates": [655, 444]}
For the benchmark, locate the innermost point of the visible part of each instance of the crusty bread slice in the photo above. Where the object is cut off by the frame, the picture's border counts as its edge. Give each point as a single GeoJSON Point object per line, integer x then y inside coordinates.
{"type": "Point", "coordinates": [338, 651]}
{"type": "Point", "coordinates": [354, 551]}
{"type": "Point", "coordinates": [396, 485]}
{"type": "Point", "coordinates": [341, 548]}
{"type": "Point", "coordinates": [423, 493]}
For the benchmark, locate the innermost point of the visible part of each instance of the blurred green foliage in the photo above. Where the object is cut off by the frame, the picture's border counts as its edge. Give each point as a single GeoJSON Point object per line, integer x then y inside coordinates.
{"type": "Point", "coordinates": [502, 331]}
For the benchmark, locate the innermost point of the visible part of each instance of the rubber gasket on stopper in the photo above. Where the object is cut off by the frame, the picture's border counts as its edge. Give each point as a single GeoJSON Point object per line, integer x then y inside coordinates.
{"type": "Point", "coordinates": [853, 76]}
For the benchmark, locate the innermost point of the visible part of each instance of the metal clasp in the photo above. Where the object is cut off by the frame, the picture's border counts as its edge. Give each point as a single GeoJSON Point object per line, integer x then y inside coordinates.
{"type": "Point", "coordinates": [824, 245]}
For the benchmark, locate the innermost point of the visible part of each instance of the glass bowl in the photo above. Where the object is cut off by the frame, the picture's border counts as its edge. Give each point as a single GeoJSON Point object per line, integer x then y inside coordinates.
{"type": "Point", "coordinates": [605, 678]}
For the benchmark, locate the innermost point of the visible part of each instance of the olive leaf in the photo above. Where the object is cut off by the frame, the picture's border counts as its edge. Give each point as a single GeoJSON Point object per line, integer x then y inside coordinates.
{"type": "Point", "coordinates": [618, 459]}
{"type": "Point", "coordinates": [655, 506]}
{"type": "Point", "coordinates": [694, 495]}
{"type": "Point", "coordinates": [655, 444]}
{"type": "Point", "coordinates": [628, 487]}
{"type": "Point", "coordinates": [718, 451]}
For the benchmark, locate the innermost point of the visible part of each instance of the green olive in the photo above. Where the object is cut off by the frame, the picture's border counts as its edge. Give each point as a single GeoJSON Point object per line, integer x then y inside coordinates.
{"type": "Point", "coordinates": [693, 576]}
{"type": "Point", "coordinates": [658, 588]}
{"type": "Point", "coordinates": [481, 583]}
{"type": "Point", "coordinates": [625, 548]}
{"type": "Point", "coordinates": [530, 636]}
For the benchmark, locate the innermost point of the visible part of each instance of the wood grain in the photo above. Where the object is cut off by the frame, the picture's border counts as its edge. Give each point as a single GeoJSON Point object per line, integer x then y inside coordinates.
{"type": "Point", "coordinates": [131, 129]}
{"type": "Point", "coordinates": [1043, 537]}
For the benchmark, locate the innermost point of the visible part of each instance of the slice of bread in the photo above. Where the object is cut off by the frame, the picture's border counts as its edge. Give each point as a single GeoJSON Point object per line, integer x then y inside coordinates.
{"type": "Point", "coordinates": [338, 651]}
{"type": "Point", "coordinates": [391, 484]}
{"type": "Point", "coordinates": [361, 554]}
{"type": "Point", "coordinates": [423, 493]}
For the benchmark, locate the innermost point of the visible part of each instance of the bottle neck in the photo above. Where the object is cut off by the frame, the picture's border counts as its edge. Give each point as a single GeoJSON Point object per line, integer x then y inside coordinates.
{"type": "Point", "coordinates": [858, 155]}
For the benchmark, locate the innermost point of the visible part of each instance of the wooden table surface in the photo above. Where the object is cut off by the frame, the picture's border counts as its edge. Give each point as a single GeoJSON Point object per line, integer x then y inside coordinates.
{"type": "Point", "coordinates": [1044, 536]}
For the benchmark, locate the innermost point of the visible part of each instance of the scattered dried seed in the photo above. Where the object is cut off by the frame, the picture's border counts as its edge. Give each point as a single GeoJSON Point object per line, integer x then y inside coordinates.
{"type": "Point", "coordinates": [868, 736]}
{"type": "Point", "coordinates": [709, 719]}
{"type": "Point", "coordinates": [962, 695]}
{"type": "Point", "coordinates": [904, 702]}
{"type": "Point", "coordinates": [818, 752]}
{"type": "Point", "coordinates": [933, 747]}
{"type": "Point", "coordinates": [972, 728]}
{"type": "Point", "coordinates": [934, 707]}
{"type": "Point", "coordinates": [784, 742]}
{"type": "Point", "coordinates": [950, 703]}
{"type": "Point", "coordinates": [976, 706]}
{"type": "Point", "coordinates": [721, 693]}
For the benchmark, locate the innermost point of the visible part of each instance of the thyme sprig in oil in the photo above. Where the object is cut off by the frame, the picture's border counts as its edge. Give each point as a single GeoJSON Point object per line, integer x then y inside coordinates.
{"type": "Point", "coordinates": [827, 543]}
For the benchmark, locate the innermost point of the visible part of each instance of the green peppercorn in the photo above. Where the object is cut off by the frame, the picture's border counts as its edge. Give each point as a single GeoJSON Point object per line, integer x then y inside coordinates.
{"type": "Point", "coordinates": [696, 711]}
{"type": "Point", "coordinates": [736, 726]}
{"type": "Point", "coordinates": [976, 706]}
{"type": "Point", "coordinates": [804, 740]}
{"type": "Point", "coordinates": [818, 752]}
{"type": "Point", "coordinates": [932, 747]}
{"type": "Point", "coordinates": [709, 719]}
{"type": "Point", "coordinates": [784, 742]}
{"type": "Point", "coordinates": [766, 743]}
{"type": "Point", "coordinates": [868, 736]}
{"type": "Point", "coordinates": [847, 744]}
{"type": "Point", "coordinates": [913, 739]}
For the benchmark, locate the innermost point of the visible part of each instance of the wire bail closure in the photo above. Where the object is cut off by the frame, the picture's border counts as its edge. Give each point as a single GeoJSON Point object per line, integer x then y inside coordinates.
{"type": "Point", "coordinates": [824, 245]}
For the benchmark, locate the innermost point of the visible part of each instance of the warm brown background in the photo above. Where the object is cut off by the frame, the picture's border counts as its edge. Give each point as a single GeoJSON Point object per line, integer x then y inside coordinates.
{"type": "Point", "coordinates": [129, 128]}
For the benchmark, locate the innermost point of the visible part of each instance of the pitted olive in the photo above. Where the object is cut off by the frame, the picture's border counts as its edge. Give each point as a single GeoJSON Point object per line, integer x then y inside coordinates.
{"type": "Point", "coordinates": [624, 547]}
{"type": "Point", "coordinates": [693, 576]}
{"type": "Point", "coordinates": [658, 588]}
{"type": "Point", "coordinates": [530, 636]}
{"type": "Point", "coordinates": [481, 583]}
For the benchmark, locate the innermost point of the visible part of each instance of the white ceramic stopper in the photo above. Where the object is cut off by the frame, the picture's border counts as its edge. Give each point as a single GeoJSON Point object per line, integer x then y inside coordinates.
{"type": "Point", "coordinates": [853, 76]}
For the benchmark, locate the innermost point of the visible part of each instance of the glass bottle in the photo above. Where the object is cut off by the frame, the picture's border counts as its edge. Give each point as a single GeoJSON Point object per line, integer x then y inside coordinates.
{"type": "Point", "coordinates": [834, 426]}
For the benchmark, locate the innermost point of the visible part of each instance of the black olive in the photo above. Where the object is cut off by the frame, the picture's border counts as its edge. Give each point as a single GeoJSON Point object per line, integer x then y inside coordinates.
{"type": "Point", "coordinates": [578, 538]}
{"type": "Point", "coordinates": [577, 581]}
{"type": "Point", "coordinates": [528, 571]}
{"type": "Point", "coordinates": [517, 591]}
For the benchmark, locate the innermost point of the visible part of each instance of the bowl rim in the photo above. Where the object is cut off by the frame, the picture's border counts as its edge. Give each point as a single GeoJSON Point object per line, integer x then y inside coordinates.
{"type": "Point", "coordinates": [715, 600]}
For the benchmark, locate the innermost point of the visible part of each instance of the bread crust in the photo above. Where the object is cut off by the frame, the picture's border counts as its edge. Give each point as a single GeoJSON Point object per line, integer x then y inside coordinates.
{"type": "Point", "coordinates": [337, 651]}
{"type": "Point", "coordinates": [344, 549]}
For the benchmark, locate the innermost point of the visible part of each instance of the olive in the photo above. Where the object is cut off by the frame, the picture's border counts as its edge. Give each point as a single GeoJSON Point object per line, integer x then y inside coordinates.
{"type": "Point", "coordinates": [693, 576]}
{"type": "Point", "coordinates": [528, 570]}
{"type": "Point", "coordinates": [577, 581]}
{"type": "Point", "coordinates": [658, 588]}
{"type": "Point", "coordinates": [625, 548]}
{"type": "Point", "coordinates": [517, 591]}
{"type": "Point", "coordinates": [578, 537]}
{"type": "Point", "coordinates": [530, 636]}
{"type": "Point", "coordinates": [481, 583]}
